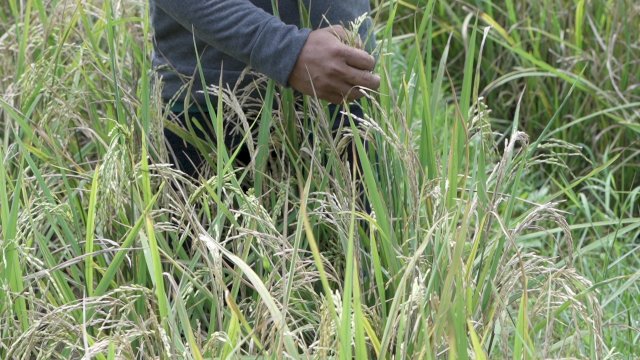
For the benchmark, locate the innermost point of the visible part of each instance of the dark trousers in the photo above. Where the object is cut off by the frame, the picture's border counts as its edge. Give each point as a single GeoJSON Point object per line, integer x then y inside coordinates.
{"type": "Point", "coordinates": [187, 158]}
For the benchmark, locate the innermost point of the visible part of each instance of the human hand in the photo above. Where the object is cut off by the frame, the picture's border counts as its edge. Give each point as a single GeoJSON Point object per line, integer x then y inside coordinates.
{"type": "Point", "coordinates": [331, 70]}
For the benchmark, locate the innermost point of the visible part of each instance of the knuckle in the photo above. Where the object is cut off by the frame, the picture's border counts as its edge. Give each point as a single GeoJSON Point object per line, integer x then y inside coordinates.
{"type": "Point", "coordinates": [371, 63]}
{"type": "Point", "coordinates": [343, 52]}
{"type": "Point", "coordinates": [335, 69]}
{"type": "Point", "coordinates": [338, 29]}
{"type": "Point", "coordinates": [373, 82]}
{"type": "Point", "coordinates": [335, 50]}
{"type": "Point", "coordinates": [366, 79]}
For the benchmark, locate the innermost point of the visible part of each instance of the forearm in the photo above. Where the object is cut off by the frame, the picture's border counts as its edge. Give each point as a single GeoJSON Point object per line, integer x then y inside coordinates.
{"type": "Point", "coordinates": [243, 31]}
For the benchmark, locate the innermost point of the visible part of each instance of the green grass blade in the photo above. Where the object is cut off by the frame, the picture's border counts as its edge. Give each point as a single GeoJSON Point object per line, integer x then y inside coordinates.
{"type": "Point", "coordinates": [90, 235]}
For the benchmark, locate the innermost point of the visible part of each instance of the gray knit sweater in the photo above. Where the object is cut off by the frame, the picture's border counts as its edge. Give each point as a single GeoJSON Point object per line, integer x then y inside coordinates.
{"type": "Point", "coordinates": [232, 34]}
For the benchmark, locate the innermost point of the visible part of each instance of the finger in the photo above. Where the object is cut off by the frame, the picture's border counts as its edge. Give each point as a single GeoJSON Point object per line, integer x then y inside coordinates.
{"type": "Point", "coordinates": [359, 58]}
{"type": "Point", "coordinates": [349, 92]}
{"type": "Point", "coordinates": [362, 78]}
{"type": "Point", "coordinates": [354, 95]}
{"type": "Point", "coordinates": [346, 38]}
{"type": "Point", "coordinates": [337, 96]}
{"type": "Point", "coordinates": [356, 42]}
{"type": "Point", "coordinates": [339, 32]}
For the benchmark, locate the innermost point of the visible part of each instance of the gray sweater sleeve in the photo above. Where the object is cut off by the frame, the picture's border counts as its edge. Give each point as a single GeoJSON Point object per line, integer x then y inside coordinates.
{"type": "Point", "coordinates": [242, 30]}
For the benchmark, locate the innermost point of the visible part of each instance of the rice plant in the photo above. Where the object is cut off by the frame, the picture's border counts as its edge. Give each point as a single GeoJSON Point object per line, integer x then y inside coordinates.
{"type": "Point", "coordinates": [493, 212]}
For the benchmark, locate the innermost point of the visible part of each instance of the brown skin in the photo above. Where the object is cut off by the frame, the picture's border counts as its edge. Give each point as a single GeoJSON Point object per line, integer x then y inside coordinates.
{"type": "Point", "coordinates": [331, 70]}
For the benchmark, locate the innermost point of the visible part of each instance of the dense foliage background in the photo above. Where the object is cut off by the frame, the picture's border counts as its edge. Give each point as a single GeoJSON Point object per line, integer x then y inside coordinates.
{"type": "Point", "coordinates": [501, 168]}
